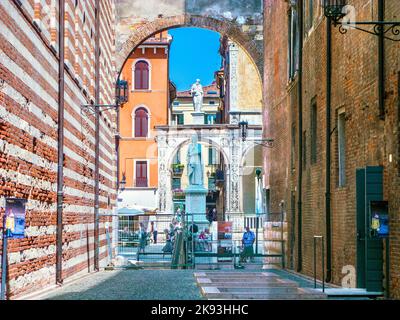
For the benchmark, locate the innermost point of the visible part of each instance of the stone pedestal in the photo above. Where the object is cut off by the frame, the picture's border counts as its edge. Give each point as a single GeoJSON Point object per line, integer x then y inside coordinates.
{"type": "Point", "coordinates": [196, 205]}
{"type": "Point", "coordinates": [198, 118]}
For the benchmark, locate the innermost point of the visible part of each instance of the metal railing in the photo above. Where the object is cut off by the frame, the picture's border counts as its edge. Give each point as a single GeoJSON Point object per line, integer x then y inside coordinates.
{"type": "Point", "coordinates": [261, 253]}
{"type": "Point", "coordinates": [321, 238]}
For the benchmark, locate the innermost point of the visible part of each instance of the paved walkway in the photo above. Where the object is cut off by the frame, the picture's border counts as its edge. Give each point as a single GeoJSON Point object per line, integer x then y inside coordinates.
{"type": "Point", "coordinates": [164, 285]}
{"type": "Point", "coordinates": [131, 285]}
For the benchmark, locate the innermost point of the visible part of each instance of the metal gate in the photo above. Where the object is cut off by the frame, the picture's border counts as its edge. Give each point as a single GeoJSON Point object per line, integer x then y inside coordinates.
{"type": "Point", "coordinates": [161, 241]}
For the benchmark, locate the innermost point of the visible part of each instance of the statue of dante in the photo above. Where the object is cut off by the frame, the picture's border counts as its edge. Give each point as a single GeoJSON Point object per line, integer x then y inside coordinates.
{"type": "Point", "coordinates": [195, 165]}
{"type": "Point", "coordinates": [197, 94]}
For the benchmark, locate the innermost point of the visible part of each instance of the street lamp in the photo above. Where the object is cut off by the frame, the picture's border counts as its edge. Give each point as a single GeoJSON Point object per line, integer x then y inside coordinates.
{"type": "Point", "coordinates": [336, 10]}
{"type": "Point", "coordinates": [121, 97]}
{"type": "Point", "coordinates": [244, 128]}
{"type": "Point", "coordinates": [121, 92]}
{"type": "Point", "coordinates": [122, 183]}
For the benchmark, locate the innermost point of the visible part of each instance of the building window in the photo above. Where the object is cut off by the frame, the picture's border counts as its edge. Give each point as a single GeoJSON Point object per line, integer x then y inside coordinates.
{"type": "Point", "coordinates": [293, 40]}
{"type": "Point", "coordinates": [212, 156]}
{"type": "Point", "coordinates": [141, 123]}
{"type": "Point", "coordinates": [141, 174]}
{"type": "Point", "coordinates": [176, 184]}
{"type": "Point", "coordinates": [293, 153]}
{"type": "Point", "coordinates": [309, 14]}
{"type": "Point", "coordinates": [341, 129]}
{"type": "Point", "coordinates": [210, 118]}
{"type": "Point", "coordinates": [314, 121]}
{"type": "Point", "coordinates": [142, 76]}
{"type": "Point", "coordinates": [304, 149]}
{"type": "Point", "coordinates": [178, 119]}
{"type": "Point", "coordinates": [211, 102]}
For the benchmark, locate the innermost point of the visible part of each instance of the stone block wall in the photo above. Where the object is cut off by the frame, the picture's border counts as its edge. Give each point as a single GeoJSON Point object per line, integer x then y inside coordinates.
{"type": "Point", "coordinates": [29, 140]}
{"type": "Point", "coordinates": [370, 141]}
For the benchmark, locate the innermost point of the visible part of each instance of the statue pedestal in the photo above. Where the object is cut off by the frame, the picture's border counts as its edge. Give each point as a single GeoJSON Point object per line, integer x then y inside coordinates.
{"type": "Point", "coordinates": [196, 205]}
{"type": "Point", "coordinates": [198, 117]}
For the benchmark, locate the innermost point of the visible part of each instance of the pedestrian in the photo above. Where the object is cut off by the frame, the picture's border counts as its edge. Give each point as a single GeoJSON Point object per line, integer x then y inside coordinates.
{"type": "Point", "coordinates": [142, 238]}
{"type": "Point", "coordinates": [168, 243]}
{"type": "Point", "coordinates": [153, 231]}
{"type": "Point", "coordinates": [214, 215]}
{"type": "Point", "coordinates": [209, 215]}
{"type": "Point", "coordinates": [247, 244]}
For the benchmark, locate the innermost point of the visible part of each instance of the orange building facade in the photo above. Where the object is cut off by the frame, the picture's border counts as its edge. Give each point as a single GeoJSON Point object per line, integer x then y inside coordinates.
{"type": "Point", "coordinates": [147, 74]}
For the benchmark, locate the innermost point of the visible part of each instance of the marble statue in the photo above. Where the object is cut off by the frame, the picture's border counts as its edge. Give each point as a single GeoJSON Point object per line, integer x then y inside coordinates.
{"type": "Point", "coordinates": [197, 94]}
{"type": "Point", "coordinates": [195, 165]}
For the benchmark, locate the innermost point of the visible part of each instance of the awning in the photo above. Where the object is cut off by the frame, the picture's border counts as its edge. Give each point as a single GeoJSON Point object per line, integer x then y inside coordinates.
{"type": "Point", "coordinates": [136, 211]}
{"type": "Point", "coordinates": [130, 212]}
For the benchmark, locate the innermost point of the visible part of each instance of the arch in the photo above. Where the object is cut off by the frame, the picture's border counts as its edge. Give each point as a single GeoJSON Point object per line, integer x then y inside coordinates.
{"type": "Point", "coordinates": [248, 177]}
{"type": "Point", "coordinates": [224, 27]}
{"type": "Point", "coordinates": [201, 139]}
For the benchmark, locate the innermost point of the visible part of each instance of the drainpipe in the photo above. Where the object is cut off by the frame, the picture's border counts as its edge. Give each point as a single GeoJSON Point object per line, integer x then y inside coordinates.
{"type": "Point", "coordinates": [97, 136]}
{"type": "Point", "coordinates": [117, 138]}
{"type": "Point", "coordinates": [300, 135]}
{"type": "Point", "coordinates": [328, 148]}
{"type": "Point", "coordinates": [60, 161]}
{"type": "Point", "coordinates": [381, 58]}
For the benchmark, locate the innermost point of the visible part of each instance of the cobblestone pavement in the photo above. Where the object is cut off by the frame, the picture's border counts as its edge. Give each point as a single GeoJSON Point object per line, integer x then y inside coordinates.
{"type": "Point", "coordinates": [131, 285]}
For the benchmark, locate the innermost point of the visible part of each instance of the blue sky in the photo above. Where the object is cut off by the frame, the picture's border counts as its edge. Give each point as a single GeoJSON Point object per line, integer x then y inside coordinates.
{"type": "Point", "coordinates": [194, 54]}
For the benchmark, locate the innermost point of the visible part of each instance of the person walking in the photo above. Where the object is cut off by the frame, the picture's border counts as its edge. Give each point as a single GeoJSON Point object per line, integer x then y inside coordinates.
{"type": "Point", "coordinates": [214, 215]}
{"type": "Point", "coordinates": [142, 238]}
{"type": "Point", "coordinates": [153, 231]}
{"type": "Point", "coordinates": [168, 243]}
{"type": "Point", "coordinates": [209, 215]}
{"type": "Point", "coordinates": [247, 244]}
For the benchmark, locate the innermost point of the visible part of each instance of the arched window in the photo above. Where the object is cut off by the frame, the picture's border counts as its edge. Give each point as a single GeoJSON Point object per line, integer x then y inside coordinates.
{"type": "Point", "coordinates": [142, 76]}
{"type": "Point", "coordinates": [141, 123]}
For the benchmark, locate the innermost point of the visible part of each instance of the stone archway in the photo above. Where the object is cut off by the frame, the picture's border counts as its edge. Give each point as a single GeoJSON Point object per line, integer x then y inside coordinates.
{"type": "Point", "coordinates": [224, 27]}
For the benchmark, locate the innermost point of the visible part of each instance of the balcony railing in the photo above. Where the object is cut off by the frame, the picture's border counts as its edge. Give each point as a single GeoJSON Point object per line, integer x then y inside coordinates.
{"type": "Point", "coordinates": [141, 183]}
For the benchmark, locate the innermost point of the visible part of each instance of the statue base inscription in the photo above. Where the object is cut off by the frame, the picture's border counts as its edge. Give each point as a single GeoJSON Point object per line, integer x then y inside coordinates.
{"type": "Point", "coordinates": [198, 118]}
{"type": "Point", "coordinates": [196, 205]}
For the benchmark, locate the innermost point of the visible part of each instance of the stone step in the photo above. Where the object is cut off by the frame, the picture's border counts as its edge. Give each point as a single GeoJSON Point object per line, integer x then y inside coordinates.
{"type": "Point", "coordinates": [258, 290]}
{"type": "Point", "coordinates": [298, 294]}
{"type": "Point", "coordinates": [244, 278]}
{"type": "Point", "coordinates": [241, 284]}
{"type": "Point", "coordinates": [237, 275]}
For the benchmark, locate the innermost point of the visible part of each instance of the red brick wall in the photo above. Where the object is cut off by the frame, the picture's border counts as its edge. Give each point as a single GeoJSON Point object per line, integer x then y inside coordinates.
{"type": "Point", "coordinates": [28, 132]}
{"type": "Point", "coordinates": [369, 140]}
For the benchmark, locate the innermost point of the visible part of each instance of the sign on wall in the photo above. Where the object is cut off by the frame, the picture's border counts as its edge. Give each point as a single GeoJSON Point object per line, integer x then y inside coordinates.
{"type": "Point", "coordinates": [225, 243]}
{"type": "Point", "coordinates": [15, 217]}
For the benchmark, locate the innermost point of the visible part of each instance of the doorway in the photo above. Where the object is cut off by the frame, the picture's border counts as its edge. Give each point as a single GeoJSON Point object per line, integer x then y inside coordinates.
{"type": "Point", "coordinates": [369, 188]}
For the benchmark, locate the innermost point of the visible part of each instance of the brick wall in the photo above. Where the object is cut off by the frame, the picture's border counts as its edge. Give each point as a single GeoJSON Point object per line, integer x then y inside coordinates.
{"type": "Point", "coordinates": [369, 140]}
{"type": "Point", "coordinates": [28, 131]}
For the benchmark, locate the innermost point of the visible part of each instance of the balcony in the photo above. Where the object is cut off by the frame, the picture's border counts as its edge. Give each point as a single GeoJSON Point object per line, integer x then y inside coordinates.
{"type": "Point", "coordinates": [141, 183]}
{"type": "Point", "coordinates": [177, 169]}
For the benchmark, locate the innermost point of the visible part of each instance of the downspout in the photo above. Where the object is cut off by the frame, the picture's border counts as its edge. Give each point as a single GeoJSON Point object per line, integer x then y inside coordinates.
{"type": "Point", "coordinates": [97, 136]}
{"type": "Point", "coordinates": [300, 136]}
{"type": "Point", "coordinates": [328, 148]}
{"type": "Point", "coordinates": [381, 63]}
{"type": "Point", "coordinates": [60, 161]}
{"type": "Point", "coordinates": [117, 136]}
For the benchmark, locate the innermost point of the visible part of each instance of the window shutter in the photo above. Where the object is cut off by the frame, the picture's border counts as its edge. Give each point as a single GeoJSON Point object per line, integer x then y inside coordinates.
{"type": "Point", "coordinates": [141, 123]}
{"type": "Point", "coordinates": [142, 76]}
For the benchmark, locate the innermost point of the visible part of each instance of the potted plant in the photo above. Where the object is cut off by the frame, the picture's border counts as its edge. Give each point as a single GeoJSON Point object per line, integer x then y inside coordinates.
{"type": "Point", "coordinates": [177, 168]}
